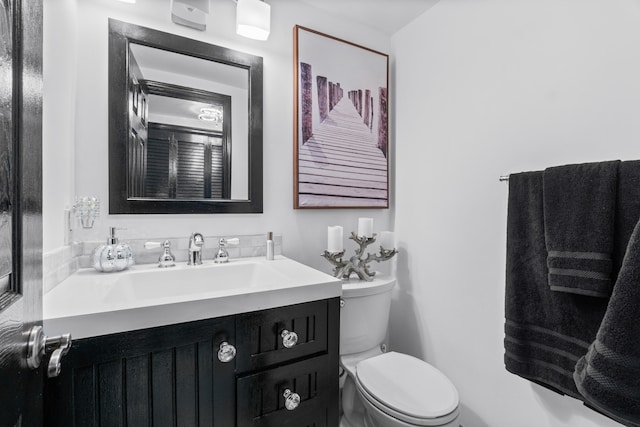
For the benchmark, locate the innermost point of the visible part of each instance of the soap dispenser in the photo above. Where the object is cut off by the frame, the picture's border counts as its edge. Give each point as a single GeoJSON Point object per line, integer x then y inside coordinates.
{"type": "Point", "coordinates": [113, 256]}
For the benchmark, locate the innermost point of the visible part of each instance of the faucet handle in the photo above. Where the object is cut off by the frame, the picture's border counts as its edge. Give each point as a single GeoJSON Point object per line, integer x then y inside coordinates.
{"type": "Point", "coordinates": [166, 258]}
{"type": "Point", "coordinates": [152, 245]}
{"type": "Point", "coordinates": [223, 256]}
{"type": "Point", "coordinates": [234, 241]}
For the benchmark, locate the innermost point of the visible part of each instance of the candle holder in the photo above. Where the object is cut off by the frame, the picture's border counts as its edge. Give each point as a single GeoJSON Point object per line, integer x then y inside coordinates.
{"type": "Point", "coordinates": [87, 209]}
{"type": "Point", "coordinates": [357, 264]}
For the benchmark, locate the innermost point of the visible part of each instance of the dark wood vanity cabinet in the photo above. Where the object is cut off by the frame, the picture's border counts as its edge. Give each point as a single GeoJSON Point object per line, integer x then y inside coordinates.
{"type": "Point", "coordinates": [309, 368]}
{"type": "Point", "coordinates": [164, 376]}
{"type": "Point", "coordinates": [172, 376]}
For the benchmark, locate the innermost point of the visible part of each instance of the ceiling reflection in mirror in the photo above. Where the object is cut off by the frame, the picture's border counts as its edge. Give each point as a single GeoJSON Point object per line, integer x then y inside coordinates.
{"type": "Point", "coordinates": [189, 127]}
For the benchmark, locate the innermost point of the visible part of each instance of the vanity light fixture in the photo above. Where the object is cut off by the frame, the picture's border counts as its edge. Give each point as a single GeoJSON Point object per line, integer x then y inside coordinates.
{"type": "Point", "coordinates": [253, 19]}
{"type": "Point", "coordinates": [127, 1]}
{"type": "Point", "coordinates": [190, 13]}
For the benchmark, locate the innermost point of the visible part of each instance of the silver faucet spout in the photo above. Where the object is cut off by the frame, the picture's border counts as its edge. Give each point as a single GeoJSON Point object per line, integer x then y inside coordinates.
{"type": "Point", "coordinates": [196, 241]}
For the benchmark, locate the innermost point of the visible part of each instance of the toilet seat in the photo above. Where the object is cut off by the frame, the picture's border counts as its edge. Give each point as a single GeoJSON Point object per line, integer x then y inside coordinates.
{"type": "Point", "coordinates": [408, 389]}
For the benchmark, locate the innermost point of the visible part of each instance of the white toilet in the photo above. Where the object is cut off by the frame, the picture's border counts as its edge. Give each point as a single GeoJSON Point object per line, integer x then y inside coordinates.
{"type": "Point", "coordinates": [386, 389]}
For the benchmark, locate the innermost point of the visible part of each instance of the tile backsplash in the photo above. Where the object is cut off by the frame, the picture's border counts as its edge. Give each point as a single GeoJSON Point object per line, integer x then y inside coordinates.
{"type": "Point", "coordinates": [63, 262]}
{"type": "Point", "coordinates": [59, 264]}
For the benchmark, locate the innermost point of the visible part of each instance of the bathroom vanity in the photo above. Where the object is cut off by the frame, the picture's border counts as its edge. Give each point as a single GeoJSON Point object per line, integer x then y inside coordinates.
{"type": "Point", "coordinates": [269, 364]}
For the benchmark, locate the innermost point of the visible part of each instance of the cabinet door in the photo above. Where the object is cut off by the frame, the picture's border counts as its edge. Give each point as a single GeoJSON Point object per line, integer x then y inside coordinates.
{"type": "Point", "coordinates": [261, 396]}
{"type": "Point", "coordinates": [259, 335]}
{"type": "Point", "coordinates": [165, 376]}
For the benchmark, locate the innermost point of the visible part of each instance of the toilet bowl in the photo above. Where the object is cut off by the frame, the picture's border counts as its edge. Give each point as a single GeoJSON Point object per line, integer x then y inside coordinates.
{"type": "Point", "coordinates": [386, 389]}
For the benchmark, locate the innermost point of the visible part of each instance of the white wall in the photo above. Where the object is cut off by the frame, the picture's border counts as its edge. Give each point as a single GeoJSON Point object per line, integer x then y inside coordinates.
{"type": "Point", "coordinates": [485, 88]}
{"type": "Point", "coordinates": [76, 99]}
{"type": "Point", "coordinates": [59, 62]}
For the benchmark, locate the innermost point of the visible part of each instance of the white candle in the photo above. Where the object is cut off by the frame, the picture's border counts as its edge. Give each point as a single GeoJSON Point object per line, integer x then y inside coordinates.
{"type": "Point", "coordinates": [334, 239]}
{"type": "Point", "coordinates": [387, 240]}
{"type": "Point", "coordinates": [365, 227]}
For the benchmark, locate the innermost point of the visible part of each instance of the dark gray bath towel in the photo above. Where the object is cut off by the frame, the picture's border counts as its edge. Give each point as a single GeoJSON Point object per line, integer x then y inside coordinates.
{"type": "Point", "coordinates": [546, 332]}
{"type": "Point", "coordinates": [627, 209]}
{"type": "Point", "coordinates": [608, 377]}
{"type": "Point", "coordinates": [579, 213]}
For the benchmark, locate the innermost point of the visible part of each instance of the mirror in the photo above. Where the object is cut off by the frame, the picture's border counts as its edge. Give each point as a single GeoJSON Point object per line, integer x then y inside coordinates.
{"type": "Point", "coordinates": [185, 125]}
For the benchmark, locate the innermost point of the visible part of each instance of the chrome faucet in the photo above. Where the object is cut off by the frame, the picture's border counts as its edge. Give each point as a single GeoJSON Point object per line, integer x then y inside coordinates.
{"type": "Point", "coordinates": [166, 258]}
{"type": "Point", "coordinates": [223, 256]}
{"type": "Point", "coordinates": [196, 241]}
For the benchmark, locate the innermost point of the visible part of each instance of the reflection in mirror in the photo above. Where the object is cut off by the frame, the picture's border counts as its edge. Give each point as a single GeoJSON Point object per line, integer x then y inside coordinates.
{"type": "Point", "coordinates": [184, 162]}
{"type": "Point", "coordinates": [185, 106]}
{"type": "Point", "coordinates": [193, 140]}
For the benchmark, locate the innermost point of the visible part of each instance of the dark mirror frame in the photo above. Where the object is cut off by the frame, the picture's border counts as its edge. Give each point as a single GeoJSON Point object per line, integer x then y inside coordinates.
{"type": "Point", "coordinates": [121, 34]}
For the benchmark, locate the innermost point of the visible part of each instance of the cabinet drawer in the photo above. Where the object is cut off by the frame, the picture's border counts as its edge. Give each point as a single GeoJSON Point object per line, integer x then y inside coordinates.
{"type": "Point", "coordinates": [261, 401]}
{"type": "Point", "coordinates": [259, 335]}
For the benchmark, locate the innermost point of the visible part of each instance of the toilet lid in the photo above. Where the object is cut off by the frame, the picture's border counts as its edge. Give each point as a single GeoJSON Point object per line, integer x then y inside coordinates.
{"type": "Point", "coordinates": [407, 385]}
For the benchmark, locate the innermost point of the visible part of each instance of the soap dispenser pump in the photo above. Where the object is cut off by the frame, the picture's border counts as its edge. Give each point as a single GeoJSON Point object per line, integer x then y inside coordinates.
{"type": "Point", "coordinates": [112, 256]}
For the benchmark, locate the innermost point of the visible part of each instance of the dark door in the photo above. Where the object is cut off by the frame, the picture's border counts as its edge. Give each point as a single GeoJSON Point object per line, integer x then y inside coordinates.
{"type": "Point", "coordinates": [186, 163]}
{"type": "Point", "coordinates": [20, 208]}
{"type": "Point", "coordinates": [138, 111]}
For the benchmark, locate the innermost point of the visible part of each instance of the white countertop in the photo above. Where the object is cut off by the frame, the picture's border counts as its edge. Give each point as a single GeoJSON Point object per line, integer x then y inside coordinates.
{"type": "Point", "coordinates": [89, 303]}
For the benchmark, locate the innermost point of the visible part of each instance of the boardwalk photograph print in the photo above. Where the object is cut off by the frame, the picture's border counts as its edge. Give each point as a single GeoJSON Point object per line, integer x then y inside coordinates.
{"type": "Point", "coordinates": [341, 123]}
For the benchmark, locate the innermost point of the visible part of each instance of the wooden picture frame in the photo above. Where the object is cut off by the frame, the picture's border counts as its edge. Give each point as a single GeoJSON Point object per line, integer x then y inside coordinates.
{"type": "Point", "coordinates": [341, 126]}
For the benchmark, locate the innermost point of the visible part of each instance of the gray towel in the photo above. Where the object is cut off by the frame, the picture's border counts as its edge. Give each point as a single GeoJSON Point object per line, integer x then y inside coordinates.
{"type": "Point", "coordinates": [608, 377]}
{"type": "Point", "coordinates": [546, 332]}
{"type": "Point", "coordinates": [579, 214]}
{"type": "Point", "coordinates": [627, 209]}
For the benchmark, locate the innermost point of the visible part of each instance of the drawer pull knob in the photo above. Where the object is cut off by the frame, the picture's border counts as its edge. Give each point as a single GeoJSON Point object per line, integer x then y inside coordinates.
{"type": "Point", "coordinates": [289, 339]}
{"type": "Point", "coordinates": [291, 400]}
{"type": "Point", "coordinates": [226, 353]}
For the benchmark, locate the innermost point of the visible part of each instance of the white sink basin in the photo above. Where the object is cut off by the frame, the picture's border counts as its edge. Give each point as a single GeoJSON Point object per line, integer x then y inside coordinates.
{"type": "Point", "coordinates": [185, 281]}
{"type": "Point", "coordinates": [89, 303]}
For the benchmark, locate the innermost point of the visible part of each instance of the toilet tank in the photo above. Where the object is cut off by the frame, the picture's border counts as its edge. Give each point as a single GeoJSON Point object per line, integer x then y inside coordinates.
{"type": "Point", "coordinates": [365, 313]}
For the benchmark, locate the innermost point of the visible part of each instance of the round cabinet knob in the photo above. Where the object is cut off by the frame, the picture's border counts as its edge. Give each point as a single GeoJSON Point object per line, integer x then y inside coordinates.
{"type": "Point", "coordinates": [291, 400]}
{"type": "Point", "coordinates": [226, 353]}
{"type": "Point", "coordinates": [289, 339]}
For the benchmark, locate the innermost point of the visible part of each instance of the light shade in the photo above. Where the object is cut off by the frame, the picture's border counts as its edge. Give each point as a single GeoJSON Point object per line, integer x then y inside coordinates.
{"type": "Point", "coordinates": [253, 19]}
{"type": "Point", "coordinates": [190, 13]}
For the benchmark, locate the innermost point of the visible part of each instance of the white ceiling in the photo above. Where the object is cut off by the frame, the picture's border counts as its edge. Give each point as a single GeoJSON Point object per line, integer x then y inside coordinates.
{"type": "Point", "coordinates": [188, 67]}
{"type": "Point", "coordinates": [387, 16]}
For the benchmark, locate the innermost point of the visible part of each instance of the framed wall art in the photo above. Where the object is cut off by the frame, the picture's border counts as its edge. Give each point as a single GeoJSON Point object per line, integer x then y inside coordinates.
{"type": "Point", "coordinates": [341, 123]}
